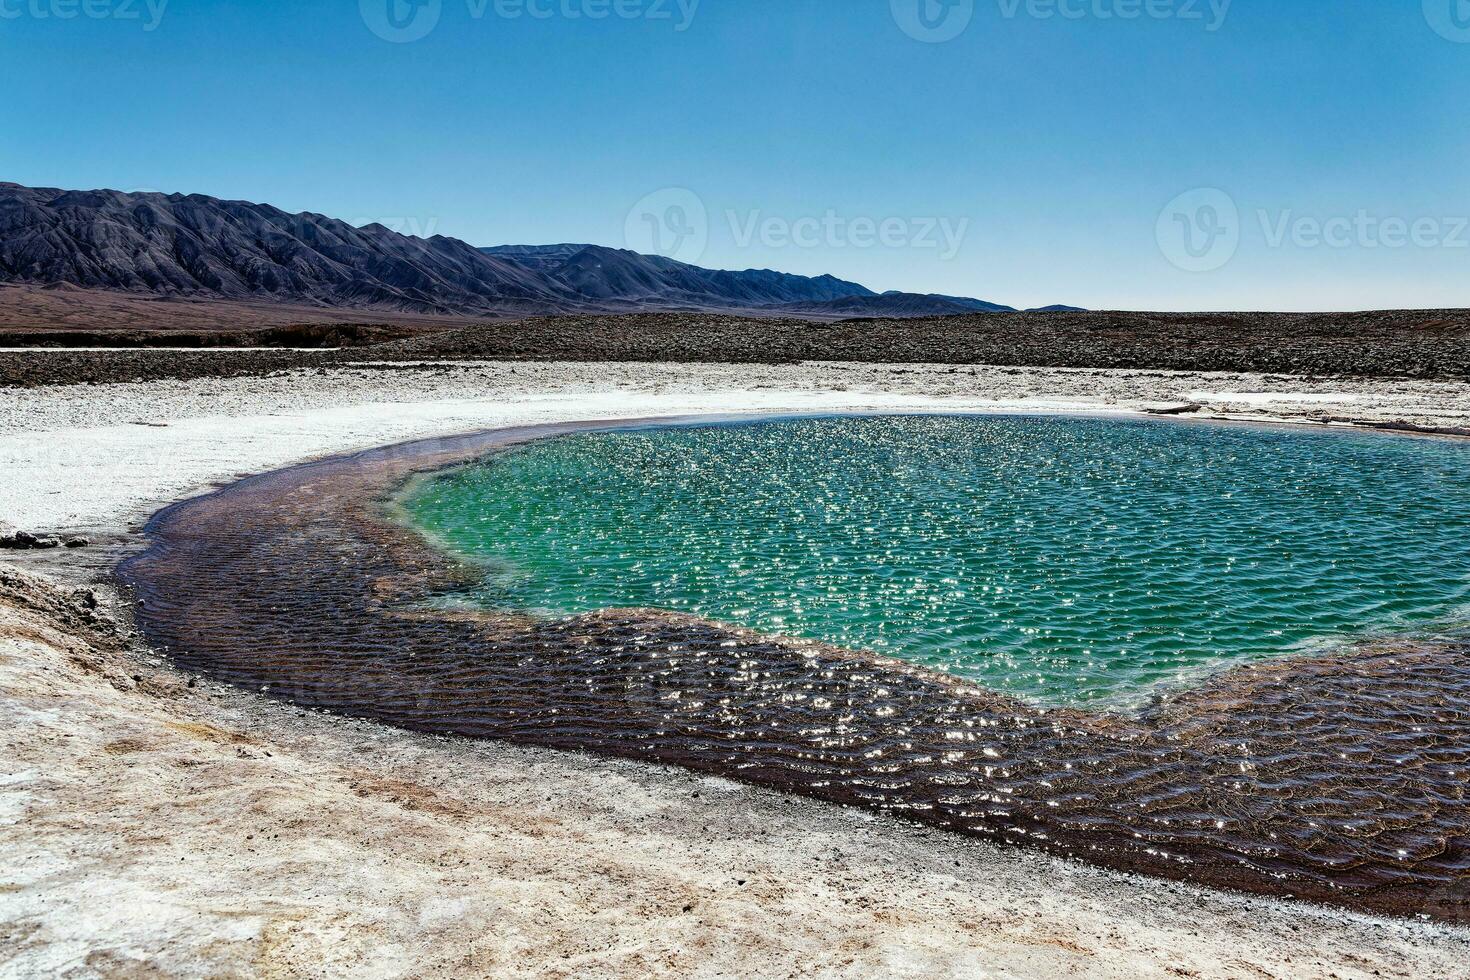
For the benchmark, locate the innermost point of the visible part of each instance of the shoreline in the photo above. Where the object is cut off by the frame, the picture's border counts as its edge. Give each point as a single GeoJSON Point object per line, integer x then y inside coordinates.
{"type": "Point", "coordinates": [1243, 930]}
{"type": "Point", "coordinates": [532, 862]}
{"type": "Point", "coordinates": [314, 543]}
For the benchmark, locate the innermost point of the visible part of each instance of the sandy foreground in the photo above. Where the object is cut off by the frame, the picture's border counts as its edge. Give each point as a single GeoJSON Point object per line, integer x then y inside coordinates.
{"type": "Point", "coordinates": [154, 824]}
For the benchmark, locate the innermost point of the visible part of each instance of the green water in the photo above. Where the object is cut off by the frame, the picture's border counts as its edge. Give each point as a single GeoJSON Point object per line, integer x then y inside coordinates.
{"type": "Point", "coordinates": [1066, 560]}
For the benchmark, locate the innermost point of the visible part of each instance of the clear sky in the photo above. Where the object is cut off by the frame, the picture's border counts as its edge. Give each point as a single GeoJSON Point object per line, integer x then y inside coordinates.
{"type": "Point", "coordinates": [1037, 155]}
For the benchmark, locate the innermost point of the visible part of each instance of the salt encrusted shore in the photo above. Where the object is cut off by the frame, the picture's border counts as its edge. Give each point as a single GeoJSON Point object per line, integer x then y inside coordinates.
{"type": "Point", "coordinates": [148, 823]}
{"type": "Point", "coordinates": [97, 457]}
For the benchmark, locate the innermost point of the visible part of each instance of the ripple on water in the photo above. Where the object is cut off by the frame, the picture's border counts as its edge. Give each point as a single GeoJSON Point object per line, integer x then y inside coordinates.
{"type": "Point", "coordinates": [1068, 561]}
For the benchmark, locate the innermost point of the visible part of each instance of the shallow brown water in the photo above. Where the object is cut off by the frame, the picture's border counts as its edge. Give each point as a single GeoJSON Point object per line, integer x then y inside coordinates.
{"type": "Point", "coordinates": [1340, 778]}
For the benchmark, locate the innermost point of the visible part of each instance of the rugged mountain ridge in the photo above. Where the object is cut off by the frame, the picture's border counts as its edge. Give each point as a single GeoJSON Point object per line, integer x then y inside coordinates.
{"type": "Point", "coordinates": [192, 246]}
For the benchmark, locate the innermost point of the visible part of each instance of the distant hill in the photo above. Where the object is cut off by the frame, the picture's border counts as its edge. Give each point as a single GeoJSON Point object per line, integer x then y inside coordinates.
{"type": "Point", "coordinates": [893, 305]}
{"type": "Point", "coordinates": [199, 248]}
{"type": "Point", "coordinates": [600, 274]}
{"type": "Point", "coordinates": [966, 303]}
{"type": "Point", "coordinates": [1056, 309]}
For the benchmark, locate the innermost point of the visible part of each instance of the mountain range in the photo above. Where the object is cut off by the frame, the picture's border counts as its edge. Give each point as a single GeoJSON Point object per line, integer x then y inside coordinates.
{"type": "Point", "coordinates": [195, 246]}
{"type": "Point", "coordinates": [596, 273]}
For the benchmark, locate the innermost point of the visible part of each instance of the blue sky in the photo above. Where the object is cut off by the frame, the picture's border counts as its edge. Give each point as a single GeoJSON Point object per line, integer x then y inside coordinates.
{"type": "Point", "coordinates": [1128, 154]}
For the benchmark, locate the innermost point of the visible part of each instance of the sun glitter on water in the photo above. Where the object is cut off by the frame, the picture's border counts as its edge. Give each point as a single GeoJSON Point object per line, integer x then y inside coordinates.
{"type": "Point", "coordinates": [1065, 560]}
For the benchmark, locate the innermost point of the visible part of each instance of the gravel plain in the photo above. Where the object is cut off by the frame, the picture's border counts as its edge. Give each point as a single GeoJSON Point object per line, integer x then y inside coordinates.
{"type": "Point", "coordinates": [1426, 344]}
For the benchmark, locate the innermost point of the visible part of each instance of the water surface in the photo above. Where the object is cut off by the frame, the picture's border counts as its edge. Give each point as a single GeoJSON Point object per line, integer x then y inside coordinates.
{"type": "Point", "coordinates": [1066, 560]}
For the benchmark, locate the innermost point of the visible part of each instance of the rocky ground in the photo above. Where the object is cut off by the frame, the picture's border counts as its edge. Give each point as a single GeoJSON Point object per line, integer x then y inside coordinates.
{"type": "Point", "coordinates": [1428, 344]}
{"type": "Point", "coordinates": [155, 824]}
{"type": "Point", "coordinates": [1414, 344]}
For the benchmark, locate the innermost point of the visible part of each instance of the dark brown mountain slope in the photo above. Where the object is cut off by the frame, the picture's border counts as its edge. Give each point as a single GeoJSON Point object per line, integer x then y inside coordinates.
{"type": "Point", "coordinates": [203, 249]}
{"type": "Point", "coordinates": [197, 246]}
